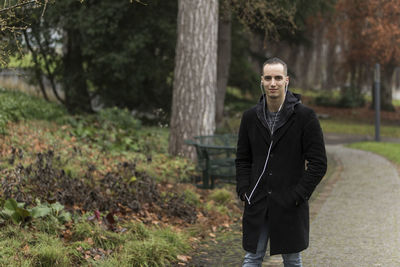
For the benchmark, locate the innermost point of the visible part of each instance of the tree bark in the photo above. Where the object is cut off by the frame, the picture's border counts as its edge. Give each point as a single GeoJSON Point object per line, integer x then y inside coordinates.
{"type": "Point", "coordinates": [386, 87]}
{"type": "Point", "coordinates": [50, 74]}
{"type": "Point", "coordinates": [224, 60]}
{"type": "Point", "coordinates": [77, 98]}
{"type": "Point", "coordinates": [37, 68]}
{"type": "Point", "coordinates": [195, 74]}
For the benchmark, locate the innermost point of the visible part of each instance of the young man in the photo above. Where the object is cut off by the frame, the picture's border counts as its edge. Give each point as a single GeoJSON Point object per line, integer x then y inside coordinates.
{"type": "Point", "coordinates": [280, 160]}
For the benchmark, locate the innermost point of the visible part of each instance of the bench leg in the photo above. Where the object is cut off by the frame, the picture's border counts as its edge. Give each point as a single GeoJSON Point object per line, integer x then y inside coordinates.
{"type": "Point", "coordinates": [205, 179]}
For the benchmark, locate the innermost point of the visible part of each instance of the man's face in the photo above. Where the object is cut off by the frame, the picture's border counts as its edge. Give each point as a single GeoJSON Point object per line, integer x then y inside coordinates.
{"type": "Point", "coordinates": [274, 81]}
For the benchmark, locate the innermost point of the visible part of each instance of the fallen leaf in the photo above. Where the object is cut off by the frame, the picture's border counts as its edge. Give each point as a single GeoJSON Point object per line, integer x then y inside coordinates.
{"type": "Point", "coordinates": [212, 235]}
{"type": "Point", "coordinates": [97, 257]}
{"type": "Point", "coordinates": [26, 248]}
{"type": "Point", "coordinates": [184, 258]}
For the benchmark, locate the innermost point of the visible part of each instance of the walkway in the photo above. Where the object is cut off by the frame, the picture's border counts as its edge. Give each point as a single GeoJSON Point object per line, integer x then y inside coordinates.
{"type": "Point", "coordinates": [359, 223]}
{"type": "Point", "coordinates": [355, 218]}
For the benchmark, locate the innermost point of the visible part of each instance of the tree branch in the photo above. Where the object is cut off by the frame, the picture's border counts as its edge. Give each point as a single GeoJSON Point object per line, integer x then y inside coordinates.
{"type": "Point", "coordinates": [18, 5]}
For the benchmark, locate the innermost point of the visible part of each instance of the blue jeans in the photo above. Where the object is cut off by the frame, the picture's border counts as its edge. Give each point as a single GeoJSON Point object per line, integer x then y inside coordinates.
{"type": "Point", "coordinates": [255, 260]}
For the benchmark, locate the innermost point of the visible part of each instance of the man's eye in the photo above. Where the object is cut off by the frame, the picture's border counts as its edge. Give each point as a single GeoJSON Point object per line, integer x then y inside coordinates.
{"type": "Point", "coordinates": [278, 78]}
{"type": "Point", "coordinates": [267, 78]}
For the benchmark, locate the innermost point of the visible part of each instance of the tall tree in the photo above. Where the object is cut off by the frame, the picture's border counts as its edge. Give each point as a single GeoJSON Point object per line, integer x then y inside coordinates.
{"type": "Point", "coordinates": [371, 29]}
{"type": "Point", "coordinates": [195, 75]}
{"type": "Point", "coordinates": [224, 57]}
{"type": "Point", "coordinates": [274, 19]}
{"type": "Point", "coordinates": [117, 52]}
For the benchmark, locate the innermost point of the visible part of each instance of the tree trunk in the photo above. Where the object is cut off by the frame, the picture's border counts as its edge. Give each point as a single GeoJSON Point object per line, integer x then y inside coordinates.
{"type": "Point", "coordinates": [37, 68]}
{"type": "Point", "coordinates": [386, 87]}
{"type": "Point", "coordinates": [224, 60]}
{"type": "Point", "coordinates": [77, 98]}
{"type": "Point", "coordinates": [195, 74]}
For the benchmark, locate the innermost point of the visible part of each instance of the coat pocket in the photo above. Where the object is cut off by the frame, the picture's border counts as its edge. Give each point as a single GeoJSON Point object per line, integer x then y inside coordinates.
{"type": "Point", "coordinates": [285, 199]}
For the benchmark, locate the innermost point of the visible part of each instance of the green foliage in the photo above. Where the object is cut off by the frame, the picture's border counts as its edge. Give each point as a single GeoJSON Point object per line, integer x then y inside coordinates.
{"type": "Point", "coordinates": [110, 129]}
{"type": "Point", "coordinates": [221, 196]}
{"type": "Point", "coordinates": [54, 210]}
{"type": "Point", "coordinates": [348, 98]}
{"type": "Point", "coordinates": [351, 98]}
{"type": "Point", "coordinates": [212, 206]}
{"type": "Point", "coordinates": [101, 237]}
{"type": "Point", "coordinates": [167, 168]}
{"type": "Point", "coordinates": [118, 118]}
{"type": "Point", "coordinates": [388, 150]}
{"type": "Point", "coordinates": [351, 127]}
{"type": "Point", "coordinates": [134, 72]}
{"type": "Point", "coordinates": [16, 106]}
{"type": "Point", "coordinates": [241, 72]}
{"type": "Point", "coordinates": [139, 245]}
{"type": "Point", "coordinates": [14, 211]}
{"type": "Point", "coordinates": [160, 248]}
{"type": "Point", "coordinates": [191, 197]}
{"type": "Point", "coordinates": [49, 251]}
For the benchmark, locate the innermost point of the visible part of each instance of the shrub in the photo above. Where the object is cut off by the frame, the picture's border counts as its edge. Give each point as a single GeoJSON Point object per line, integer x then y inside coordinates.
{"type": "Point", "coordinates": [118, 118]}
{"type": "Point", "coordinates": [191, 197]}
{"type": "Point", "coordinates": [16, 106]}
{"type": "Point", "coordinates": [351, 98]}
{"type": "Point", "coordinates": [325, 99]}
{"type": "Point", "coordinates": [221, 196]}
{"type": "Point", "coordinates": [348, 98]}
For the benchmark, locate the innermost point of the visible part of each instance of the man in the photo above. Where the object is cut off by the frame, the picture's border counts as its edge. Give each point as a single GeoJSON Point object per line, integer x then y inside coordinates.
{"type": "Point", "coordinates": [280, 160]}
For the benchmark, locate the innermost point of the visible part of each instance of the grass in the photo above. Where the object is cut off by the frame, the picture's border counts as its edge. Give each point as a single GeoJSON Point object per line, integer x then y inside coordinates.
{"type": "Point", "coordinates": [138, 246]}
{"type": "Point", "coordinates": [231, 125]}
{"type": "Point", "coordinates": [351, 127]}
{"type": "Point", "coordinates": [390, 151]}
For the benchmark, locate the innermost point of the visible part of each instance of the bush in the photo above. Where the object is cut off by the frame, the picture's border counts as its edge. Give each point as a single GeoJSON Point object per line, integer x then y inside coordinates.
{"type": "Point", "coordinates": [191, 197]}
{"type": "Point", "coordinates": [118, 119]}
{"type": "Point", "coordinates": [348, 98]}
{"type": "Point", "coordinates": [221, 196]}
{"type": "Point", "coordinates": [351, 98]}
{"type": "Point", "coordinates": [16, 106]}
{"type": "Point", "coordinates": [325, 99]}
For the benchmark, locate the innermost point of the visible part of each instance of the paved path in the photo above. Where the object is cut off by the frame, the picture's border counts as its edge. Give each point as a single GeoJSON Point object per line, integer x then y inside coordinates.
{"type": "Point", "coordinates": [359, 223]}
{"type": "Point", "coordinates": [355, 218]}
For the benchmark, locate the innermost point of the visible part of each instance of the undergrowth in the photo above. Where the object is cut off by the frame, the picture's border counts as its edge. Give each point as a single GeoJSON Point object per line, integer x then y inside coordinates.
{"type": "Point", "coordinates": [112, 175]}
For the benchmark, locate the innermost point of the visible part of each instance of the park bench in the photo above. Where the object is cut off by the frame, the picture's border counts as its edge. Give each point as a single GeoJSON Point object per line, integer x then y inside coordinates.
{"type": "Point", "coordinates": [215, 157]}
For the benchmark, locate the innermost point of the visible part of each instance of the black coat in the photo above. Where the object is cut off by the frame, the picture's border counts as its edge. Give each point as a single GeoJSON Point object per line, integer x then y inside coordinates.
{"type": "Point", "coordinates": [296, 165]}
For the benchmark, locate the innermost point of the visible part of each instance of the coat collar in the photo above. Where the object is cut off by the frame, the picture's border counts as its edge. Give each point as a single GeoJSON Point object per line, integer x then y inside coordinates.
{"type": "Point", "coordinates": [279, 133]}
{"type": "Point", "coordinates": [287, 117]}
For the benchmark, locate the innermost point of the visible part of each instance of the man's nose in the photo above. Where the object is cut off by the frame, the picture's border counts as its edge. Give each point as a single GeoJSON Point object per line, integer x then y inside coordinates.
{"type": "Point", "coordinates": [273, 81]}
